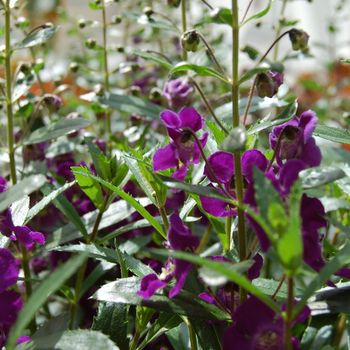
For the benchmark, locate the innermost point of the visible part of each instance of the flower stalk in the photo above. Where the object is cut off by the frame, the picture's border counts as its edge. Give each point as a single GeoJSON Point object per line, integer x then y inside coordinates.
{"type": "Point", "coordinates": [289, 316]}
{"type": "Point", "coordinates": [184, 25]}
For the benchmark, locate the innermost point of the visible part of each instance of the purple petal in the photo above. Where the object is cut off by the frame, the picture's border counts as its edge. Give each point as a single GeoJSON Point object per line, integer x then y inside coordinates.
{"type": "Point", "coordinates": [182, 268]}
{"type": "Point", "coordinates": [23, 234]}
{"type": "Point", "coordinates": [191, 118]}
{"type": "Point", "coordinates": [165, 158]}
{"type": "Point", "coordinates": [264, 241]}
{"type": "Point", "coordinates": [311, 154]}
{"type": "Point", "coordinates": [222, 164]}
{"type": "Point", "coordinates": [22, 339]}
{"type": "Point", "coordinates": [8, 270]}
{"type": "Point", "coordinates": [38, 237]}
{"type": "Point", "coordinates": [250, 157]}
{"type": "Point", "coordinates": [149, 285]}
{"type": "Point", "coordinates": [179, 235]}
{"type": "Point", "coordinates": [308, 121]}
{"type": "Point", "coordinates": [10, 304]}
{"type": "Point", "coordinates": [254, 271]}
{"type": "Point", "coordinates": [289, 174]}
{"type": "Point", "coordinates": [170, 119]}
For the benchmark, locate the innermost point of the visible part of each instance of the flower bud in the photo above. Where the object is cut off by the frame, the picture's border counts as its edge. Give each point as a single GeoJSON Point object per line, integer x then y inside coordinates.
{"type": "Point", "coordinates": [40, 62]}
{"type": "Point", "coordinates": [299, 39]}
{"type": "Point", "coordinates": [148, 11]}
{"type": "Point", "coordinates": [20, 21]}
{"type": "Point", "coordinates": [190, 41]}
{"type": "Point", "coordinates": [120, 49]}
{"type": "Point", "coordinates": [74, 67]}
{"type": "Point", "coordinates": [174, 3]}
{"type": "Point", "coordinates": [82, 23]}
{"type": "Point", "coordinates": [48, 25]}
{"type": "Point", "coordinates": [26, 68]}
{"type": "Point", "coordinates": [155, 94]}
{"type": "Point", "coordinates": [267, 83]}
{"type": "Point", "coordinates": [90, 43]}
{"type": "Point", "coordinates": [135, 91]}
{"type": "Point", "coordinates": [116, 19]}
{"type": "Point", "coordinates": [178, 92]}
{"type": "Point", "coordinates": [99, 90]}
{"type": "Point", "coordinates": [53, 102]}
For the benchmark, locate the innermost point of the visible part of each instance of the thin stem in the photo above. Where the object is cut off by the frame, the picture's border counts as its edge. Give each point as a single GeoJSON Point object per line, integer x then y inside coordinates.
{"type": "Point", "coordinates": [213, 56]}
{"type": "Point", "coordinates": [193, 338]}
{"type": "Point", "coordinates": [204, 239]}
{"type": "Point", "coordinates": [276, 150]}
{"type": "Point", "coordinates": [279, 286]}
{"type": "Point", "coordinates": [135, 341]}
{"type": "Point", "coordinates": [279, 29]}
{"type": "Point", "coordinates": [108, 111]}
{"type": "Point", "coordinates": [42, 26]}
{"type": "Point", "coordinates": [289, 316]}
{"type": "Point", "coordinates": [207, 4]}
{"type": "Point", "coordinates": [184, 25]}
{"type": "Point", "coordinates": [208, 106]}
{"type": "Point", "coordinates": [250, 97]}
{"type": "Point", "coordinates": [237, 159]}
{"type": "Point", "coordinates": [228, 230]}
{"type": "Point", "coordinates": [161, 55]}
{"type": "Point", "coordinates": [218, 301]}
{"type": "Point", "coordinates": [340, 329]}
{"type": "Point", "coordinates": [246, 12]}
{"type": "Point", "coordinates": [164, 217]}
{"type": "Point", "coordinates": [10, 140]}
{"type": "Point", "coordinates": [168, 19]}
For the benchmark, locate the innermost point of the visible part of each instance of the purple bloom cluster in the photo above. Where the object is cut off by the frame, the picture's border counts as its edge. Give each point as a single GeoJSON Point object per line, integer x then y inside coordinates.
{"type": "Point", "coordinates": [178, 92]}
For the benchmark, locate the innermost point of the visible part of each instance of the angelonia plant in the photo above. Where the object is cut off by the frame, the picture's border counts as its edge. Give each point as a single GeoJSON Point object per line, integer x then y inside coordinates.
{"type": "Point", "coordinates": [154, 197]}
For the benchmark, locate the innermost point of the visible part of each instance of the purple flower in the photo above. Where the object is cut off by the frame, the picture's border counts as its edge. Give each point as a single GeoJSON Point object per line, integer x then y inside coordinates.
{"type": "Point", "coordinates": [182, 146]}
{"type": "Point", "coordinates": [222, 164]}
{"type": "Point", "coordinates": [256, 326]}
{"type": "Point", "coordinates": [267, 83]}
{"type": "Point", "coordinates": [180, 238]}
{"type": "Point", "coordinates": [296, 141]}
{"type": "Point", "coordinates": [178, 92]}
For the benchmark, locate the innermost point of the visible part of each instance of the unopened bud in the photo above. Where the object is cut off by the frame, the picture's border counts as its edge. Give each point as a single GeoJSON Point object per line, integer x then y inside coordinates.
{"type": "Point", "coordinates": [99, 90]}
{"type": "Point", "coordinates": [120, 49]}
{"type": "Point", "coordinates": [174, 3]}
{"type": "Point", "coordinates": [20, 21]}
{"type": "Point", "coordinates": [148, 11]}
{"type": "Point", "coordinates": [57, 81]}
{"type": "Point", "coordinates": [267, 84]}
{"type": "Point", "coordinates": [53, 102]}
{"type": "Point", "coordinates": [74, 67]}
{"type": "Point", "coordinates": [155, 94]}
{"type": "Point", "coordinates": [48, 25]}
{"type": "Point", "coordinates": [97, 2]}
{"type": "Point", "coordinates": [90, 43]}
{"type": "Point", "coordinates": [40, 62]}
{"type": "Point", "coordinates": [135, 67]}
{"type": "Point", "coordinates": [26, 68]}
{"type": "Point", "coordinates": [135, 91]}
{"type": "Point", "coordinates": [190, 41]}
{"type": "Point", "coordinates": [82, 23]}
{"type": "Point", "coordinates": [116, 19]}
{"type": "Point", "coordinates": [299, 39]}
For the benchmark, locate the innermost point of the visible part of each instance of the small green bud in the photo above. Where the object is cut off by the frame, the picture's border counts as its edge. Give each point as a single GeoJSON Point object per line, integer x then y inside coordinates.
{"type": "Point", "coordinates": [155, 94]}
{"type": "Point", "coordinates": [135, 67]}
{"type": "Point", "coordinates": [99, 90]}
{"type": "Point", "coordinates": [135, 91]}
{"type": "Point", "coordinates": [90, 43]}
{"type": "Point", "coordinates": [40, 62]}
{"type": "Point", "coordinates": [74, 67]}
{"type": "Point", "coordinates": [116, 19]}
{"type": "Point", "coordinates": [82, 23]}
{"type": "Point", "coordinates": [120, 49]}
{"type": "Point", "coordinates": [174, 3]}
{"type": "Point", "coordinates": [97, 2]}
{"type": "Point", "coordinates": [20, 21]}
{"type": "Point", "coordinates": [48, 25]}
{"type": "Point", "coordinates": [57, 81]}
{"type": "Point", "coordinates": [148, 11]}
{"type": "Point", "coordinates": [26, 68]}
{"type": "Point", "coordinates": [190, 41]}
{"type": "Point", "coordinates": [299, 39]}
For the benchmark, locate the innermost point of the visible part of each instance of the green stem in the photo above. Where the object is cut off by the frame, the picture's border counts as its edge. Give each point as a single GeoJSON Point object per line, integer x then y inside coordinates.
{"type": "Point", "coordinates": [193, 338]}
{"type": "Point", "coordinates": [289, 316]}
{"type": "Point", "coordinates": [228, 230]}
{"type": "Point", "coordinates": [184, 25]}
{"type": "Point", "coordinates": [204, 239]}
{"type": "Point", "coordinates": [105, 61]}
{"type": "Point", "coordinates": [10, 139]}
{"type": "Point", "coordinates": [135, 341]}
{"type": "Point", "coordinates": [340, 329]}
{"type": "Point", "coordinates": [279, 30]}
{"type": "Point", "coordinates": [237, 159]}
{"type": "Point", "coordinates": [164, 217]}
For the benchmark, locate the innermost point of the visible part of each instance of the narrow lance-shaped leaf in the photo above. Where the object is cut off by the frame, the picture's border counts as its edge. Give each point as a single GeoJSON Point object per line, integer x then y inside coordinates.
{"type": "Point", "coordinates": [260, 14]}
{"type": "Point", "coordinates": [36, 39]}
{"type": "Point", "coordinates": [127, 198]}
{"type": "Point", "coordinates": [332, 134]}
{"type": "Point", "coordinates": [251, 74]}
{"type": "Point", "coordinates": [154, 57]}
{"type": "Point", "coordinates": [22, 85]}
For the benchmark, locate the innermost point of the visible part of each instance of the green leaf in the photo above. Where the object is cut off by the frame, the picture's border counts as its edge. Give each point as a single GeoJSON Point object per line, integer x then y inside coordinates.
{"type": "Point", "coordinates": [332, 134]}
{"type": "Point", "coordinates": [318, 176]}
{"type": "Point", "coordinates": [287, 114]}
{"type": "Point", "coordinates": [112, 321]}
{"type": "Point", "coordinates": [220, 15]}
{"type": "Point", "coordinates": [70, 340]}
{"type": "Point", "coordinates": [94, 6]}
{"type": "Point", "coordinates": [220, 269]}
{"type": "Point", "coordinates": [110, 255]}
{"type": "Point", "coordinates": [252, 73]}
{"type": "Point", "coordinates": [185, 303]}
{"type": "Point", "coordinates": [37, 38]}
{"type": "Point", "coordinates": [54, 325]}
{"type": "Point", "coordinates": [314, 338]}
{"type": "Point", "coordinates": [203, 191]}
{"type": "Point", "coordinates": [218, 133]}
{"type": "Point", "coordinates": [179, 339]}
{"type": "Point", "coordinates": [134, 203]}
{"type": "Point", "coordinates": [25, 111]}
{"type": "Point", "coordinates": [338, 261]}
{"type": "Point", "coordinates": [142, 181]}
{"type": "Point", "coordinates": [19, 210]}
{"type": "Point", "coordinates": [225, 111]}
{"type": "Point", "coordinates": [260, 14]}
{"type": "Point", "coordinates": [154, 57]}
{"type": "Point", "coordinates": [203, 71]}
{"type": "Point", "coordinates": [90, 186]}
{"type": "Point", "coordinates": [235, 140]}
{"type": "Point", "coordinates": [208, 337]}
{"type": "Point", "coordinates": [40, 295]}
{"type": "Point", "coordinates": [47, 199]}
{"type": "Point", "coordinates": [56, 129]}
{"type": "Point", "coordinates": [131, 104]}
{"type": "Point", "coordinates": [23, 188]}
{"type": "Point", "coordinates": [115, 213]}
{"type": "Point", "coordinates": [163, 323]}
{"type": "Point", "coordinates": [22, 85]}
